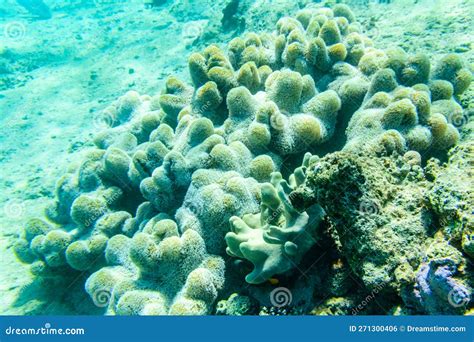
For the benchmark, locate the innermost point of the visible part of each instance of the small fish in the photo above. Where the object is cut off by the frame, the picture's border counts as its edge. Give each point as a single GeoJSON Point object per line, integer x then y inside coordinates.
{"type": "Point", "coordinates": [37, 8]}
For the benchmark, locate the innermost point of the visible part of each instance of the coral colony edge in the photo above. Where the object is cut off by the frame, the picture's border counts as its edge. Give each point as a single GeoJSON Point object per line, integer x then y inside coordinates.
{"type": "Point", "coordinates": [304, 171]}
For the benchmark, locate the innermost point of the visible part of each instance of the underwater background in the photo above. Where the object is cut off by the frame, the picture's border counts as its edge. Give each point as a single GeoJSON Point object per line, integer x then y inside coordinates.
{"type": "Point", "coordinates": [236, 157]}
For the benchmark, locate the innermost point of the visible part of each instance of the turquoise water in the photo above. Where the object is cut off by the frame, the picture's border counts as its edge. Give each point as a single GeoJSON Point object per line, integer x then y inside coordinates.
{"type": "Point", "coordinates": [236, 157]}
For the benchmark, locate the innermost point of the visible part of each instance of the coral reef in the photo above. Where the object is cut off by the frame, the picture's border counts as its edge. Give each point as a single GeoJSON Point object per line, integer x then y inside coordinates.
{"type": "Point", "coordinates": [158, 272]}
{"type": "Point", "coordinates": [449, 197]}
{"type": "Point", "coordinates": [187, 186]}
{"type": "Point", "coordinates": [386, 230]}
{"type": "Point", "coordinates": [374, 237]}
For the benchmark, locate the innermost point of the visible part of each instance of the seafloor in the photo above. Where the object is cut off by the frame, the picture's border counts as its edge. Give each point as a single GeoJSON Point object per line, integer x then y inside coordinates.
{"type": "Point", "coordinates": [57, 75]}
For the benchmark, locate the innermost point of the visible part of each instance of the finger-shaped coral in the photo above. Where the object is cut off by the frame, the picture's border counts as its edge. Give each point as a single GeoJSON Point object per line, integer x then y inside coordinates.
{"type": "Point", "coordinates": [423, 124]}
{"type": "Point", "coordinates": [146, 281]}
{"type": "Point", "coordinates": [191, 150]}
{"type": "Point", "coordinates": [174, 98]}
{"type": "Point", "coordinates": [83, 255]}
{"type": "Point", "coordinates": [81, 248]}
{"type": "Point", "coordinates": [276, 239]}
{"type": "Point", "coordinates": [451, 69]}
{"type": "Point", "coordinates": [213, 197]}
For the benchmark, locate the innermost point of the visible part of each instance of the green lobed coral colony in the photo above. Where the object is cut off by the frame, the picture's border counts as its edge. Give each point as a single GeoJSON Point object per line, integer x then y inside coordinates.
{"type": "Point", "coordinates": [184, 203]}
